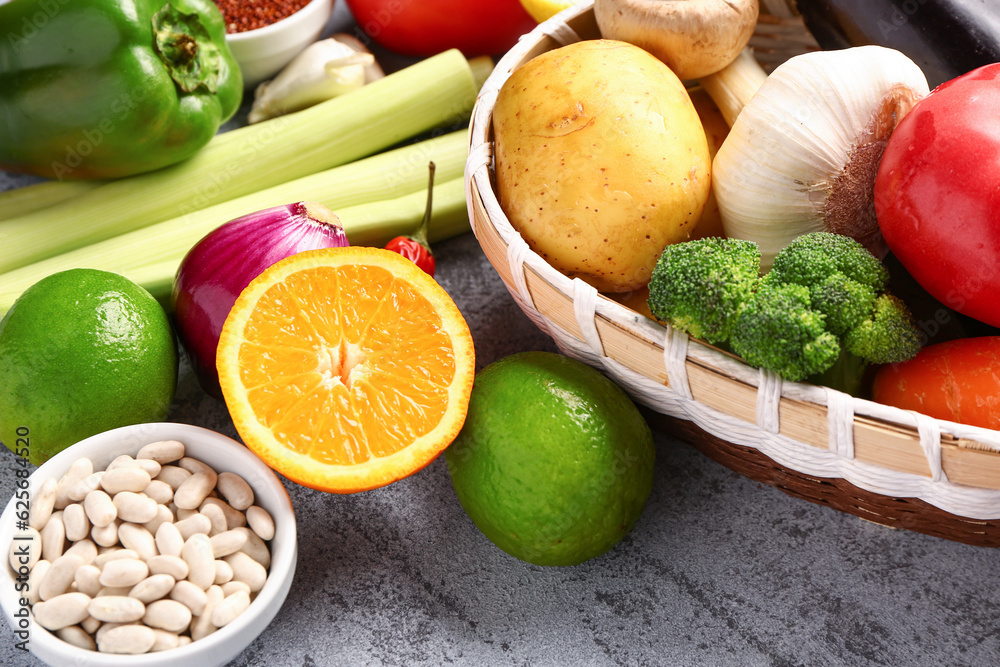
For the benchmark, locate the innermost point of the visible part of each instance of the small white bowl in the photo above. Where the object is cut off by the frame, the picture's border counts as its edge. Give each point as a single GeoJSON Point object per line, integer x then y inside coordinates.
{"type": "Point", "coordinates": [222, 454]}
{"type": "Point", "coordinates": [263, 52]}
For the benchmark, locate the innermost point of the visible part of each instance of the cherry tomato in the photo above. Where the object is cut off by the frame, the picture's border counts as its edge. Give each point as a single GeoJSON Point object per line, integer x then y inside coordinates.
{"type": "Point", "coordinates": [937, 194]}
{"type": "Point", "coordinates": [427, 27]}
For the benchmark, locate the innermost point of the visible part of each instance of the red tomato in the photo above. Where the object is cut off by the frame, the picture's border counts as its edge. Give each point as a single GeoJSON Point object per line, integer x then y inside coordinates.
{"type": "Point", "coordinates": [937, 194]}
{"type": "Point", "coordinates": [958, 381]}
{"type": "Point", "coordinates": [427, 27]}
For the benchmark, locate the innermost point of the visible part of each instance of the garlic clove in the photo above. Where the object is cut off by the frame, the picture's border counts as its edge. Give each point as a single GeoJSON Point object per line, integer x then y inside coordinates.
{"type": "Point", "coordinates": [803, 154]}
{"type": "Point", "coordinates": [323, 70]}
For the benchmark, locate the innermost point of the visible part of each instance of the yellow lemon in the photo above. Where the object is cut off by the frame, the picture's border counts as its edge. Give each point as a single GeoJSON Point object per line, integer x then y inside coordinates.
{"type": "Point", "coordinates": [541, 10]}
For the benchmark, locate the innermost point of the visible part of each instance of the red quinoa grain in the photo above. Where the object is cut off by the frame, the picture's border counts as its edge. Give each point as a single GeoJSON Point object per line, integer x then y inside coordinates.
{"type": "Point", "coordinates": [243, 15]}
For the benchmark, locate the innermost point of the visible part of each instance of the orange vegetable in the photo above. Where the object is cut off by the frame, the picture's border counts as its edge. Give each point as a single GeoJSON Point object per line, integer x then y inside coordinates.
{"type": "Point", "coordinates": [958, 381]}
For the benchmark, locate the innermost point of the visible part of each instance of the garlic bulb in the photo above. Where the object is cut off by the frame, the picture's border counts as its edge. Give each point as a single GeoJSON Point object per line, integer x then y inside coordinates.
{"type": "Point", "coordinates": [323, 70]}
{"type": "Point", "coordinates": [803, 154]}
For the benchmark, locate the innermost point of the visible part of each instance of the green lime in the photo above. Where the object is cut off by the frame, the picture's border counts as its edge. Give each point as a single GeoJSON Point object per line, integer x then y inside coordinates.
{"type": "Point", "coordinates": [554, 462]}
{"type": "Point", "coordinates": [81, 352]}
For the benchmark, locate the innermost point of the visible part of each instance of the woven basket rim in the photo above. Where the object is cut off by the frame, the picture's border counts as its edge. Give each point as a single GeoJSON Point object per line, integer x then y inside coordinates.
{"type": "Point", "coordinates": [967, 447]}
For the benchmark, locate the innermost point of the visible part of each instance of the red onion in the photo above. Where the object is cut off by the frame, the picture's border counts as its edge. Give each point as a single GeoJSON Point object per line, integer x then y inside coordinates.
{"type": "Point", "coordinates": [221, 265]}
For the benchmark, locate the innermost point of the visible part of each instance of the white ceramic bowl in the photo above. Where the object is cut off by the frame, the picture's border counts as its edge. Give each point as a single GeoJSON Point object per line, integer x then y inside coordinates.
{"type": "Point", "coordinates": [223, 454]}
{"type": "Point", "coordinates": [263, 52]}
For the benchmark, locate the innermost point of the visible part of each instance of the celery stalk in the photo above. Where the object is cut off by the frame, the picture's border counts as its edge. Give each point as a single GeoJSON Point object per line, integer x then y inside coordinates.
{"type": "Point", "coordinates": [150, 256]}
{"type": "Point", "coordinates": [376, 223]}
{"type": "Point", "coordinates": [38, 196]}
{"type": "Point", "coordinates": [433, 92]}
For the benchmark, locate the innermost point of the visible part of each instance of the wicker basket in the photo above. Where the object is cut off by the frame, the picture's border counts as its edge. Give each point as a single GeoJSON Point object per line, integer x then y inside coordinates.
{"type": "Point", "coordinates": [894, 467]}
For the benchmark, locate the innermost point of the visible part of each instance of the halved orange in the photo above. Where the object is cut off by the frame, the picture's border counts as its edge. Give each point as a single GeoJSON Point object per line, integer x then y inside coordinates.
{"type": "Point", "coordinates": [346, 369]}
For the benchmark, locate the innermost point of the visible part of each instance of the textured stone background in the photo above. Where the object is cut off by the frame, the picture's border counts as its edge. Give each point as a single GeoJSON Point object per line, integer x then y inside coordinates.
{"type": "Point", "coordinates": [719, 571]}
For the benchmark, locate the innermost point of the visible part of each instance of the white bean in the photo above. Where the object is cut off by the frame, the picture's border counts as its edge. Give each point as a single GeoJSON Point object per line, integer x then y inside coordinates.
{"type": "Point", "coordinates": [91, 625]}
{"type": "Point", "coordinates": [59, 578]}
{"type": "Point", "coordinates": [247, 570]}
{"type": "Point", "coordinates": [77, 636]}
{"type": "Point", "coordinates": [160, 491]}
{"type": "Point", "coordinates": [134, 507]}
{"type": "Point", "coordinates": [228, 542]}
{"type": "Point", "coordinates": [223, 572]}
{"type": "Point", "coordinates": [125, 478]}
{"type": "Point", "coordinates": [61, 611]}
{"type": "Point", "coordinates": [197, 553]}
{"type": "Point", "coordinates": [25, 550]}
{"type": "Point", "coordinates": [227, 610]}
{"type": "Point", "coordinates": [202, 625]}
{"type": "Point", "coordinates": [76, 522]}
{"type": "Point", "coordinates": [35, 580]}
{"type": "Point", "coordinates": [124, 572]}
{"type": "Point", "coordinates": [196, 523]}
{"type": "Point", "coordinates": [260, 522]}
{"type": "Point", "coordinates": [53, 538]}
{"type": "Point", "coordinates": [127, 639]}
{"type": "Point", "coordinates": [231, 587]}
{"type": "Point", "coordinates": [149, 465]}
{"type": "Point", "coordinates": [105, 536]}
{"type": "Point", "coordinates": [42, 504]}
{"type": "Point", "coordinates": [85, 549]}
{"type": "Point", "coordinates": [88, 579]}
{"type": "Point", "coordinates": [194, 466]}
{"type": "Point", "coordinates": [78, 470]}
{"type": "Point", "coordinates": [163, 515]}
{"type": "Point", "coordinates": [114, 554]}
{"type": "Point", "coordinates": [138, 539]}
{"type": "Point", "coordinates": [100, 508]}
{"type": "Point", "coordinates": [165, 451]}
{"type": "Point", "coordinates": [89, 483]}
{"type": "Point", "coordinates": [175, 566]}
{"type": "Point", "coordinates": [117, 591]}
{"type": "Point", "coordinates": [191, 596]}
{"type": "Point", "coordinates": [190, 494]}
{"type": "Point", "coordinates": [121, 461]}
{"type": "Point", "coordinates": [216, 516]}
{"type": "Point", "coordinates": [165, 640]}
{"type": "Point", "coordinates": [234, 518]}
{"type": "Point", "coordinates": [255, 547]}
{"type": "Point", "coordinates": [174, 476]}
{"type": "Point", "coordinates": [182, 513]}
{"type": "Point", "coordinates": [153, 588]}
{"type": "Point", "coordinates": [116, 609]}
{"type": "Point", "coordinates": [235, 490]}
{"type": "Point", "coordinates": [169, 540]}
{"type": "Point", "coordinates": [169, 615]}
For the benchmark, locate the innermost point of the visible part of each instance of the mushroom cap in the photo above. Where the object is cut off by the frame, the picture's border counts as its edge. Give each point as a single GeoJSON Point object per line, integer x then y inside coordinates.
{"type": "Point", "coordinates": [694, 38]}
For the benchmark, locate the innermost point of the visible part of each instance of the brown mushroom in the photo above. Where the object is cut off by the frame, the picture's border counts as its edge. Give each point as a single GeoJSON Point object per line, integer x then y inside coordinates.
{"type": "Point", "coordinates": [694, 38]}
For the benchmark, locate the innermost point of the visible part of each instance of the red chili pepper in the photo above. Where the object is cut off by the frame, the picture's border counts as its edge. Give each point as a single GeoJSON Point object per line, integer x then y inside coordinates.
{"type": "Point", "coordinates": [414, 250]}
{"type": "Point", "coordinates": [415, 247]}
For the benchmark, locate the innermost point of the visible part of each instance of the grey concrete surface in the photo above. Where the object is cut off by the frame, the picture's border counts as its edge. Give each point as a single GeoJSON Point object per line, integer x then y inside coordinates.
{"type": "Point", "coordinates": [719, 571]}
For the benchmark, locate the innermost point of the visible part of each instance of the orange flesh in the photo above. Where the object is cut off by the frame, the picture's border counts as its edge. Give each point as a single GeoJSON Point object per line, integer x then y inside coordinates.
{"type": "Point", "coordinates": [360, 372]}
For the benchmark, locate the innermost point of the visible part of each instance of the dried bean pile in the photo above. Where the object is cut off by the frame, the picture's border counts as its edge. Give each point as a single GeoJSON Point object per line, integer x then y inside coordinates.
{"type": "Point", "coordinates": [151, 553]}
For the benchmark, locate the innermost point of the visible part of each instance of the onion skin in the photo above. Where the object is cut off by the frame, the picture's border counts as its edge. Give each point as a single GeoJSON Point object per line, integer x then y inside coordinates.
{"type": "Point", "coordinates": [215, 271]}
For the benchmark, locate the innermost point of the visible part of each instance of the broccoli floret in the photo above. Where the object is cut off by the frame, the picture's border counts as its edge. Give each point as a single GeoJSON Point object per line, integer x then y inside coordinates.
{"type": "Point", "coordinates": [846, 303]}
{"type": "Point", "coordinates": [812, 258]}
{"type": "Point", "coordinates": [888, 335]}
{"type": "Point", "coordinates": [821, 312]}
{"type": "Point", "coordinates": [778, 330]}
{"type": "Point", "coordinates": [700, 286]}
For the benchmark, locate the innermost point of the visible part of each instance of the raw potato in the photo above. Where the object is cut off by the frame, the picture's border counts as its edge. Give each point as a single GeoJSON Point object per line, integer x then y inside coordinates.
{"type": "Point", "coordinates": [601, 160]}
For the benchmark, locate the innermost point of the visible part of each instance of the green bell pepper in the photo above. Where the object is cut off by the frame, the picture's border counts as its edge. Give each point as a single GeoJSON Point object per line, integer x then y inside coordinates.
{"type": "Point", "coordinates": [108, 88]}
